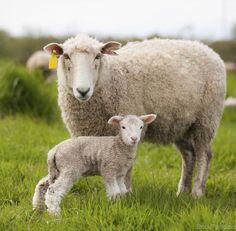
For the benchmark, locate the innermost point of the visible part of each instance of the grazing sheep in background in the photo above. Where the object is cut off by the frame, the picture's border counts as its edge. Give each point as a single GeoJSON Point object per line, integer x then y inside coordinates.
{"type": "Point", "coordinates": [39, 60]}
{"type": "Point", "coordinates": [109, 156]}
{"type": "Point", "coordinates": [183, 82]}
{"type": "Point", "coordinates": [230, 102]}
{"type": "Point", "coordinates": [230, 66]}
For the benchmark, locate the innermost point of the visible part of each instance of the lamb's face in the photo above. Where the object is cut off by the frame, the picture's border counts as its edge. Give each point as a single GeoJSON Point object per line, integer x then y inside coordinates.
{"type": "Point", "coordinates": [80, 59]}
{"type": "Point", "coordinates": [82, 69]}
{"type": "Point", "coordinates": [131, 127]}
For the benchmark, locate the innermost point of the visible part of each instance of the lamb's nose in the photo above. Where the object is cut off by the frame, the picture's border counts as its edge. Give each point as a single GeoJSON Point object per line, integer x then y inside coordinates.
{"type": "Point", "coordinates": [83, 91]}
{"type": "Point", "coordinates": [134, 138]}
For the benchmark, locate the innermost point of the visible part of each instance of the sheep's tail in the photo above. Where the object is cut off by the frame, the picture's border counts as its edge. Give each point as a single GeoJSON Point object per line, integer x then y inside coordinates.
{"type": "Point", "coordinates": [39, 194]}
{"type": "Point", "coordinates": [52, 168]}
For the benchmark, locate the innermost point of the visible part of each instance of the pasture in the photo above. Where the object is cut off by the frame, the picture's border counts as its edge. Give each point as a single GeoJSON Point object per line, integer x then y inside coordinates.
{"type": "Point", "coordinates": [26, 139]}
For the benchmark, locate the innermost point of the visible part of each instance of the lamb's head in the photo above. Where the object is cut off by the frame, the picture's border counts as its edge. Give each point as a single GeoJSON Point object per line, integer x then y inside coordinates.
{"type": "Point", "coordinates": [131, 126]}
{"type": "Point", "coordinates": [79, 63]}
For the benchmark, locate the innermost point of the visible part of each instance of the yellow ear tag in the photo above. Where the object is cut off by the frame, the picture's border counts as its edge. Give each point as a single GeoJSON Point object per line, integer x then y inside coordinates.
{"type": "Point", "coordinates": [53, 60]}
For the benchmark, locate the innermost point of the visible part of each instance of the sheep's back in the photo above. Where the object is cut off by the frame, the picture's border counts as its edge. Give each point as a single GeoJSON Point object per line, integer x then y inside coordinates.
{"type": "Point", "coordinates": [177, 80]}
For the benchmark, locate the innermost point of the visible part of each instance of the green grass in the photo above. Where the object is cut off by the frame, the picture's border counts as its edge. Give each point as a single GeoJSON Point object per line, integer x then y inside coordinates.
{"type": "Point", "coordinates": [153, 204]}
{"type": "Point", "coordinates": [23, 91]}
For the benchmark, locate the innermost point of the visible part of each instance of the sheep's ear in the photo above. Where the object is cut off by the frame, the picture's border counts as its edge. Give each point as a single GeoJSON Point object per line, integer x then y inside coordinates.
{"type": "Point", "coordinates": [147, 119]}
{"type": "Point", "coordinates": [110, 47]}
{"type": "Point", "coordinates": [115, 120]}
{"type": "Point", "coordinates": [54, 47]}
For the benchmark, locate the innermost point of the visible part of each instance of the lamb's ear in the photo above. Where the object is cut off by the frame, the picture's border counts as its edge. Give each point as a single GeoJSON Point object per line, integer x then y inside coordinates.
{"type": "Point", "coordinates": [115, 120]}
{"type": "Point", "coordinates": [54, 47]}
{"type": "Point", "coordinates": [147, 119]}
{"type": "Point", "coordinates": [110, 47]}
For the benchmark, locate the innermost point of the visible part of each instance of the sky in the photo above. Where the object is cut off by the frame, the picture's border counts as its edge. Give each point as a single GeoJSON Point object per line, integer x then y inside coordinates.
{"type": "Point", "coordinates": [205, 19]}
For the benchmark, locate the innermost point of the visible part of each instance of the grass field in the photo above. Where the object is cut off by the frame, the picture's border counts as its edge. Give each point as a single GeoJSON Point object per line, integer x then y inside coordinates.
{"type": "Point", "coordinates": [152, 206]}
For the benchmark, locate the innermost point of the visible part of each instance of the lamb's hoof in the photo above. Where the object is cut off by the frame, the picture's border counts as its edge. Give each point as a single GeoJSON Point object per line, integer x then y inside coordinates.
{"type": "Point", "coordinates": [39, 209]}
{"type": "Point", "coordinates": [129, 191]}
{"type": "Point", "coordinates": [124, 193]}
{"type": "Point", "coordinates": [54, 213]}
{"type": "Point", "coordinates": [197, 192]}
{"type": "Point", "coordinates": [114, 197]}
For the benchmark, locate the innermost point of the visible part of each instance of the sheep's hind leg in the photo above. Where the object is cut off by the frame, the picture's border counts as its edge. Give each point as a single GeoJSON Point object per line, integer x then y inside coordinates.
{"type": "Point", "coordinates": [39, 194]}
{"type": "Point", "coordinates": [186, 148]}
{"type": "Point", "coordinates": [203, 161]}
{"type": "Point", "coordinates": [57, 190]}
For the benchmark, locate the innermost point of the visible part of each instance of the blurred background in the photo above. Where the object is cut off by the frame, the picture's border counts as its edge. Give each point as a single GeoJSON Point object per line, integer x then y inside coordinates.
{"type": "Point", "coordinates": [26, 26]}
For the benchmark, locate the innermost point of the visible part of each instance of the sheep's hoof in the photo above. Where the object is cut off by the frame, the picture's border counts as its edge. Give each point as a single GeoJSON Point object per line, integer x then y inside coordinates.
{"type": "Point", "coordinates": [197, 192]}
{"type": "Point", "coordinates": [123, 193]}
{"type": "Point", "coordinates": [114, 197]}
{"type": "Point", "coordinates": [54, 213]}
{"type": "Point", "coordinates": [40, 209]}
{"type": "Point", "coordinates": [129, 191]}
{"type": "Point", "coordinates": [183, 190]}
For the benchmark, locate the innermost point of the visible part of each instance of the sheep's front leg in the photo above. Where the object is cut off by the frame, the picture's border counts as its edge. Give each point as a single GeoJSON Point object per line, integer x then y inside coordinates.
{"type": "Point", "coordinates": [112, 187]}
{"type": "Point", "coordinates": [128, 180]}
{"type": "Point", "coordinates": [121, 184]}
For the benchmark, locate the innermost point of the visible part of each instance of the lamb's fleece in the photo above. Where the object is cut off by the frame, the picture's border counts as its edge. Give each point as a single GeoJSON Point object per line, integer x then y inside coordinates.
{"type": "Point", "coordinates": [183, 82]}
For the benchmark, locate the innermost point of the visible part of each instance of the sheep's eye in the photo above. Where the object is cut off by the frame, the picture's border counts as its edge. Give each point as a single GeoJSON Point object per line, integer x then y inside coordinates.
{"type": "Point", "coordinates": [123, 127]}
{"type": "Point", "coordinates": [66, 56]}
{"type": "Point", "coordinates": [141, 127]}
{"type": "Point", "coordinates": [98, 56]}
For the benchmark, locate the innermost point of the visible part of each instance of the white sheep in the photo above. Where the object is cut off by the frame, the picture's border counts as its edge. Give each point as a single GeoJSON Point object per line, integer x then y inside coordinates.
{"type": "Point", "coordinates": [39, 60]}
{"type": "Point", "coordinates": [109, 156]}
{"type": "Point", "coordinates": [183, 82]}
{"type": "Point", "coordinates": [230, 102]}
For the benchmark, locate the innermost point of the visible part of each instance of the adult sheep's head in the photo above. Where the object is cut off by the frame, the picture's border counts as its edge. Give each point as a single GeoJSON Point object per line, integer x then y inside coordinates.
{"type": "Point", "coordinates": [79, 63]}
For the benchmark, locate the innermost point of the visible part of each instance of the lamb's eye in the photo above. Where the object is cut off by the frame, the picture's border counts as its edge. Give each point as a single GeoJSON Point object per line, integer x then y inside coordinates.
{"type": "Point", "coordinates": [141, 127]}
{"type": "Point", "coordinates": [66, 56]}
{"type": "Point", "coordinates": [98, 56]}
{"type": "Point", "coordinates": [123, 127]}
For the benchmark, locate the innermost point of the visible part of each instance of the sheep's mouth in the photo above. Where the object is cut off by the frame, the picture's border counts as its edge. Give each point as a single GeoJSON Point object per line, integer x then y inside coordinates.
{"type": "Point", "coordinates": [83, 99]}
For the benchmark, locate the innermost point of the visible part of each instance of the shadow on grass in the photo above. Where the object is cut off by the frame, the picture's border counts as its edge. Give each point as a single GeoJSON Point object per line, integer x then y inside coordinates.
{"type": "Point", "coordinates": [163, 197]}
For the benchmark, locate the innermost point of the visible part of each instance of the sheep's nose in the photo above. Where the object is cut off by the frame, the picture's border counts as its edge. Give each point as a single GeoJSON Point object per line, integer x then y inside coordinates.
{"type": "Point", "coordinates": [134, 138]}
{"type": "Point", "coordinates": [83, 91]}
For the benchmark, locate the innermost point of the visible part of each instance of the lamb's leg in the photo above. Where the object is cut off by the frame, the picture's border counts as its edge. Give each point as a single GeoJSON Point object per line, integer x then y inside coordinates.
{"type": "Point", "coordinates": [57, 190]}
{"type": "Point", "coordinates": [128, 180]}
{"type": "Point", "coordinates": [121, 184]}
{"type": "Point", "coordinates": [39, 194]}
{"type": "Point", "coordinates": [112, 187]}
{"type": "Point", "coordinates": [188, 162]}
{"type": "Point", "coordinates": [203, 161]}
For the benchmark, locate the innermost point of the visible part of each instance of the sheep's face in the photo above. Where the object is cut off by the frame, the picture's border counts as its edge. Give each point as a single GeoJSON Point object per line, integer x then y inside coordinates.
{"type": "Point", "coordinates": [131, 127]}
{"type": "Point", "coordinates": [82, 70]}
{"type": "Point", "coordinates": [80, 60]}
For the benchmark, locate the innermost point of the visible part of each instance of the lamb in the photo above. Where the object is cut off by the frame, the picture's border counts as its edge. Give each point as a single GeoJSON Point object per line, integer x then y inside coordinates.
{"type": "Point", "coordinates": [182, 82]}
{"type": "Point", "coordinates": [109, 156]}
